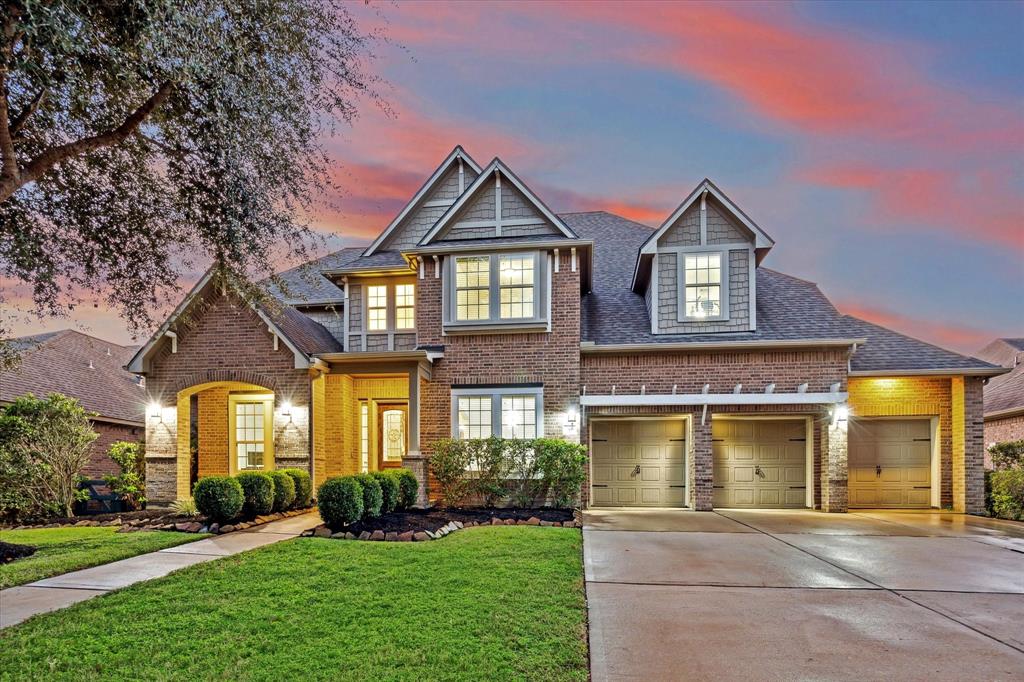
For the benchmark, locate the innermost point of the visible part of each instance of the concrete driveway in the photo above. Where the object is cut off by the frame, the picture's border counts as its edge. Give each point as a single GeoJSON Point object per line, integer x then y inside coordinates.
{"type": "Point", "coordinates": [773, 595]}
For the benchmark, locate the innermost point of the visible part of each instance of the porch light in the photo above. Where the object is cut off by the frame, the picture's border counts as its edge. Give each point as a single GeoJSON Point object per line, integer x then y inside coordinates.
{"type": "Point", "coordinates": [286, 409]}
{"type": "Point", "coordinates": [570, 422]}
{"type": "Point", "coordinates": [840, 413]}
{"type": "Point", "coordinates": [155, 412]}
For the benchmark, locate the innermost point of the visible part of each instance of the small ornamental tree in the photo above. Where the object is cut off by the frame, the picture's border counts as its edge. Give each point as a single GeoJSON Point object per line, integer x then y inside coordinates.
{"type": "Point", "coordinates": [130, 484]}
{"type": "Point", "coordinates": [50, 446]}
{"type": "Point", "coordinates": [1008, 454]}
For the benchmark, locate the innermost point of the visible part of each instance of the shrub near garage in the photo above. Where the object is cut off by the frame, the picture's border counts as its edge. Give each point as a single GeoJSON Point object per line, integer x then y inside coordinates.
{"type": "Point", "coordinates": [284, 490]}
{"type": "Point", "coordinates": [373, 497]}
{"type": "Point", "coordinates": [219, 498]}
{"type": "Point", "coordinates": [1006, 493]}
{"type": "Point", "coordinates": [258, 489]}
{"type": "Point", "coordinates": [340, 501]}
{"type": "Point", "coordinates": [303, 487]}
{"type": "Point", "coordinates": [389, 490]}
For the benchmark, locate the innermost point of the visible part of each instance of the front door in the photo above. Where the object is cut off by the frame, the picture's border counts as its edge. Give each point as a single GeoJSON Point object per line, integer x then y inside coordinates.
{"type": "Point", "coordinates": [392, 434]}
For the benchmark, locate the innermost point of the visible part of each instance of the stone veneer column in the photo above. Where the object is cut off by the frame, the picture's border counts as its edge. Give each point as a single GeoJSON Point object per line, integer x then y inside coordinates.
{"type": "Point", "coordinates": [700, 463]}
{"type": "Point", "coordinates": [834, 466]}
{"type": "Point", "coordinates": [968, 445]}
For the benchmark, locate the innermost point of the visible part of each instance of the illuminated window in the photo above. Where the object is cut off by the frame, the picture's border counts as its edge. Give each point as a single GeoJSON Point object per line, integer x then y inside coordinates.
{"type": "Point", "coordinates": [518, 416]}
{"type": "Point", "coordinates": [474, 414]}
{"type": "Point", "coordinates": [250, 428]}
{"type": "Point", "coordinates": [472, 288]}
{"type": "Point", "coordinates": [364, 435]}
{"type": "Point", "coordinates": [377, 307]}
{"type": "Point", "coordinates": [393, 429]}
{"type": "Point", "coordinates": [405, 306]}
{"type": "Point", "coordinates": [703, 273]}
{"type": "Point", "coordinates": [516, 285]}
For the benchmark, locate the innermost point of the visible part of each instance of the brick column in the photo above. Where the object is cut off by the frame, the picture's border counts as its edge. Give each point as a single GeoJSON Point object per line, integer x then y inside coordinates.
{"type": "Point", "coordinates": [834, 466]}
{"type": "Point", "coordinates": [699, 466]}
{"type": "Point", "coordinates": [968, 445]}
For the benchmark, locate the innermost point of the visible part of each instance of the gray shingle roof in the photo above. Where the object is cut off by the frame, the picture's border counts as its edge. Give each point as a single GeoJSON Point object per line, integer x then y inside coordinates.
{"type": "Point", "coordinates": [306, 333]}
{"type": "Point", "coordinates": [1005, 392]}
{"type": "Point", "coordinates": [306, 285]}
{"type": "Point", "coordinates": [58, 362]}
{"type": "Point", "coordinates": [788, 308]}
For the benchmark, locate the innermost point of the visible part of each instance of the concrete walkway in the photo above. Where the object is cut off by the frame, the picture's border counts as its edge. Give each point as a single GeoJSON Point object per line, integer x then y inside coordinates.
{"type": "Point", "coordinates": [741, 595]}
{"type": "Point", "coordinates": [19, 603]}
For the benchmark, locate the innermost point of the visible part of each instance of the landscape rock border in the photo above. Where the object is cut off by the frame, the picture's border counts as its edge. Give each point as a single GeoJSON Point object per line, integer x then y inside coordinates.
{"type": "Point", "coordinates": [322, 531]}
{"type": "Point", "coordinates": [170, 522]}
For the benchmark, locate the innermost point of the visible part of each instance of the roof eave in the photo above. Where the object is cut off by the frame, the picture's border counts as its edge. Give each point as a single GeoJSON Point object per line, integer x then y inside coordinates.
{"type": "Point", "coordinates": [591, 348]}
{"type": "Point", "coordinates": [937, 372]}
{"type": "Point", "coordinates": [1003, 414]}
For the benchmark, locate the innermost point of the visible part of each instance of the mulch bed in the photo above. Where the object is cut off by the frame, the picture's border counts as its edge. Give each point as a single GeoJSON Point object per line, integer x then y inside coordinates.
{"type": "Point", "coordinates": [155, 519]}
{"type": "Point", "coordinates": [9, 552]}
{"type": "Point", "coordinates": [433, 519]}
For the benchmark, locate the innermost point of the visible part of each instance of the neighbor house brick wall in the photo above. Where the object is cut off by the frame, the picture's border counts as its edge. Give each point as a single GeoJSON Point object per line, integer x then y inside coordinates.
{"type": "Point", "coordinates": [1002, 430]}
{"type": "Point", "coordinates": [548, 358]}
{"type": "Point", "coordinates": [108, 433]}
{"type": "Point", "coordinates": [225, 340]}
{"type": "Point", "coordinates": [660, 373]}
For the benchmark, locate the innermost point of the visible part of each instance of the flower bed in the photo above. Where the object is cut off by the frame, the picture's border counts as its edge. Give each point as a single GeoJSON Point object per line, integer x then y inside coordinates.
{"type": "Point", "coordinates": [9, 552]}
{"type": "Point", "coordinates": [431, 524]}
{"type": "Point", "coordinates": [164, 520]}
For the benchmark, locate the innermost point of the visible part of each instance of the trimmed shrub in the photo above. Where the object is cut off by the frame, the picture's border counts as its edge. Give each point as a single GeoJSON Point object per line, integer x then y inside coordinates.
{"type": "Point", "coordinates": [130, 484]}
{"type": "Point", "coordinates": [340, 501]}
{"type": "Point", "coordinates": [373, 497]}
{"type": "Point", "coordinates": [389, 490]}
{"type": "Point", "coordinates": [408, 488]}
{"type": "Point", "coordinates": [1006, 493]}
{"type": "Point", "coordinates": [284, 490]}
{"type": "Point", "coordinates": [491, 468]}
{"type": "Point", "coordinates": [450, 463]}
{"type": "Point", "coordinates": [303, 487]}
{"type": "Point", "coordinates": [258, 489]}
{"type": "Point", "coordinates": [563, 468]}
{"type": "Point", "coordinates": [218, 498]}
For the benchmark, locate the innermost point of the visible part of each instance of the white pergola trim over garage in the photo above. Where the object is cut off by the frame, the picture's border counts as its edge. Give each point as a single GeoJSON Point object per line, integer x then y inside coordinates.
{"type": "Point", "coordinates": [713, 399]}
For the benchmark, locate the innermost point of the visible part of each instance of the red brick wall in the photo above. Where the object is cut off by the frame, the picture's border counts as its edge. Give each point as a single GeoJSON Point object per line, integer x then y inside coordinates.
{"type": "Point", "coordinates": [227, 341]}
{"type": "Point", "coordinates": [109, 433]}
{"type": "Point", "coordinates": [1002, 430]}
{"type": "Point", "coordinates": [550, 358]}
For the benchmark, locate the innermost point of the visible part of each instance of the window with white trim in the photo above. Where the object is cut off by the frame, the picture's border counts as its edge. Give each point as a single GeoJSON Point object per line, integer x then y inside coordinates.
{"type": "Point", "coordinates": [498, 289]}
{"type": "Point", "coordinates": [509, 412]}
{"type": "Point", "coordinates": [364, 436]}
{"type": "Point", "coordinates": [703, 288]}
{"type": "Point", "coordinates": [377, 307]}
{"type": "Point", "coordinates": [405, 306]}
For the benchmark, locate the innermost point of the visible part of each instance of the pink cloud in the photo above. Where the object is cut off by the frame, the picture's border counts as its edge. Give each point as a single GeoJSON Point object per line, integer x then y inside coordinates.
{"type": "Point", "coordinates": [957, 337]}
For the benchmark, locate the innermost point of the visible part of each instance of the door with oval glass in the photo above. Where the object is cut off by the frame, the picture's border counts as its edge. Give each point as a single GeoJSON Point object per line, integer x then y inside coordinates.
{"type": "Point", "coordinates": [392, 434]}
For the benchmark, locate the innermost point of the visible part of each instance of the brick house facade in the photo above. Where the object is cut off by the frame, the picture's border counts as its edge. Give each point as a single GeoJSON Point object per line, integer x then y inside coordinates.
{"type": "Point", "coordinates": [696, 376]}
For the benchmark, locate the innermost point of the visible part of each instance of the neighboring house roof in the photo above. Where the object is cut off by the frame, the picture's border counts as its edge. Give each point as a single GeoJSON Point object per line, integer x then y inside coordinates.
{"type": "Point", "coordinates": [79, 366]}
{"type": "Point", "coordinates": [789, 309]}
{"type": "Point", "coordinates": [1004, 395]}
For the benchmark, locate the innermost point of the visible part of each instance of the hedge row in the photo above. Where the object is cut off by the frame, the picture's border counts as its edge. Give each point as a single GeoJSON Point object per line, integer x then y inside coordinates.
{"type": "Point", "coordinates": [347, 499]}
{"type": "Point", "coordinates": [252, 493]}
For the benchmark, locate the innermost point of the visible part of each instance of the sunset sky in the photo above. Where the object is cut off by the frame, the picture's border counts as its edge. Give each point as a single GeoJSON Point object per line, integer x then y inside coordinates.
{"type": "Point", "coordinates": [880, 144]}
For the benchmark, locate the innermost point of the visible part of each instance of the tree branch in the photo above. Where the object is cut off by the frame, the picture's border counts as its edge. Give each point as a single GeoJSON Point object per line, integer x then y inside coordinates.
{"type": "Point", "coordinates": [18, 121]}
{"type": "Point", "coordinates": [38, 166]}
{"type": "Point", "coordinates": [8, 159]}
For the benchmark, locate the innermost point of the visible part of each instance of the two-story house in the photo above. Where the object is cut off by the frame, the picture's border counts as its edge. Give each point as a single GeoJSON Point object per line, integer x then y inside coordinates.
{"type": "Point", "coordinates": [697, 376]}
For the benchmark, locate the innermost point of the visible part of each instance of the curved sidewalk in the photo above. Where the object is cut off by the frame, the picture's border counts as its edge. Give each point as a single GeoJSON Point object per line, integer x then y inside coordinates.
{"type": "Point", "coordinates": [20, 603]}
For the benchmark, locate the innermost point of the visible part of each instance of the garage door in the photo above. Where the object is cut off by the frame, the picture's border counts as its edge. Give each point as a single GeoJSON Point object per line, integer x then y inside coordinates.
{"type": "Point", "coordinates": [639, 463]}
{"type": "Point", "coordinates": [890, 463]}
{"type": "Point", "coordinates": [759, 463]}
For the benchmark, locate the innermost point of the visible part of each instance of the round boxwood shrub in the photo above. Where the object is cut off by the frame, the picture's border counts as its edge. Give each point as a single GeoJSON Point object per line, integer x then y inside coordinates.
{"type": "Point", "coordinates": [408, 488]}
{"type": "Point", "coordinates": [303, 487]}
{"type": "Point", "coordinates": [340, 501]}
{"type": "Point", "coordinates": [373, 497]}
{"type": "Point", "coordinates": [284, 490]}
{"type": "Point", "coordinates": [258, 490]}
{"type": "Point", "coordinates": [389, 490]}
{"type": "Point", "coordinates": [218, 498]}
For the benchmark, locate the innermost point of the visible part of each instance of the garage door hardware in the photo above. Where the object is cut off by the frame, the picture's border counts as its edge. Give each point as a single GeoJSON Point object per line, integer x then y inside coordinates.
{"type": "Point", "coordinates": [718, 486]}
{"type": "Point", "coordinates": [798, 487]}
{"type": "Point", "coordinates": [878, 470]}
{"type": "Point", "coordinates": [676, 440]}
{"type": "Point", "coordinates": [922, 487]}
{"type": "Point", "coordinates": [797, 440]}
{"type": "Point", "coordinates": [599, 440]}
{"type": "Point", "coordinates": [922, 440]}
{"type": "Point", "coordinates": [636, 471]}
{"type": "Point", "coordinates": [599, 485]}
{"type": "Point", "coordinates": [677, 486]}
{"type": "Point", "coordinates": [717, 440]}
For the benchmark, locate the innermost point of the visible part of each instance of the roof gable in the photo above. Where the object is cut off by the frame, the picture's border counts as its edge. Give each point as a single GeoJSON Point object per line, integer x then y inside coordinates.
{"type": "Point", "coordinates": [442, 188]}
{"type": "Point", "coordinates": [497, 204]}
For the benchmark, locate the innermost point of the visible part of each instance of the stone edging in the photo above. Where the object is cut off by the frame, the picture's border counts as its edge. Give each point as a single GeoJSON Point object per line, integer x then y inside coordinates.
{"type": "Point", "coordinates": [157, 523]}
{"type": "Point", "coordinates": [322, 531]}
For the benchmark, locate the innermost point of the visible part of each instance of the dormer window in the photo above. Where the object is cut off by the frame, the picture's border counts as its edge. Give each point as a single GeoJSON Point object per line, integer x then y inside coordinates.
{"type": "Point", "coordinates": [702, 295]}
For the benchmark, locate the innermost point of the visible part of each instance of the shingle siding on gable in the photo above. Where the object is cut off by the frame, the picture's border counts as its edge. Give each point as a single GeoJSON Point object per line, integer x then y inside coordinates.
{"type": "Point", "coordinates": [739, 297]}
{"type": "Point", "coordinates": [686, 231]}
{"type": "Point", "coordinates": [332, 321]}
{"type": "Point", "coordinates": [722, 230]}
{"type": "Point", "coordinates": [421, 219]}
{"type": "Point", "coordinates": [514, 206]}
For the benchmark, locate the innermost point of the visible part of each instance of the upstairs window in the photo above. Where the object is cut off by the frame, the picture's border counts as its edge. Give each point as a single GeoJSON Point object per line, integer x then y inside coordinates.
{"type": "Point", "coordinates": [377, 307]}
{"type": "Point", "coordinates": [405, 306]}
{"type": "Point", "coordinates": [501, 289]}
{"type": "Point", "coordinates": [703, 291]}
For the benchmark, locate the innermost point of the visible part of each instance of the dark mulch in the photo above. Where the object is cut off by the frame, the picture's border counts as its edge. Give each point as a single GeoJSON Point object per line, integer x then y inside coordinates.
{"type": "Point", "coordinates": [433, 519]}
{"type": "Point", "coordinates": [9, 552]}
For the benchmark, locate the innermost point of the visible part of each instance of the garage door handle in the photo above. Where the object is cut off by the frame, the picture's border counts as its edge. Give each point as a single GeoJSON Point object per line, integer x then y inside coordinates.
{"type": "Point", "coordinates": [878, 470]}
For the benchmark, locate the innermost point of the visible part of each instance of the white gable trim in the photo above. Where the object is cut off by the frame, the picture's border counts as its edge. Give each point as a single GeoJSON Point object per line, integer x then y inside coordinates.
{"type": "Point", "coordinates": [457, 155]}
{"type": "Point", "coordinates": [138, 362]}
{"type": "Point", "coordinates": [496, 169]}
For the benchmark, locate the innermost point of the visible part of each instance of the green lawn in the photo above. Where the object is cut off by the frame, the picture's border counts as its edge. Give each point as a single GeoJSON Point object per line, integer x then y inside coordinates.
{"type": "Point", "coordinates": [484, 604]}
{"type": "Point", "coordinates": [59, 550]}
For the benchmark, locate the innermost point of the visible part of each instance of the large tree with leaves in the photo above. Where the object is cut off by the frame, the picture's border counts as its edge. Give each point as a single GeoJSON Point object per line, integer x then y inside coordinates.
{"type": "Point", "coordinates": [140, 139]}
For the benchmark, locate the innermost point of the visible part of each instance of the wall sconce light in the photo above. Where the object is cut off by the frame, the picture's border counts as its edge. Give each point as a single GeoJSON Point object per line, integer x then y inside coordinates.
{"type": "Point", "coordinates": [570, 422]}
{"type": "Point", "coordinates": [155, 412]}
{"type": "Point", "coordinates": [840, 413]}
{"type": "Point", "coordinates": [286, 410]}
